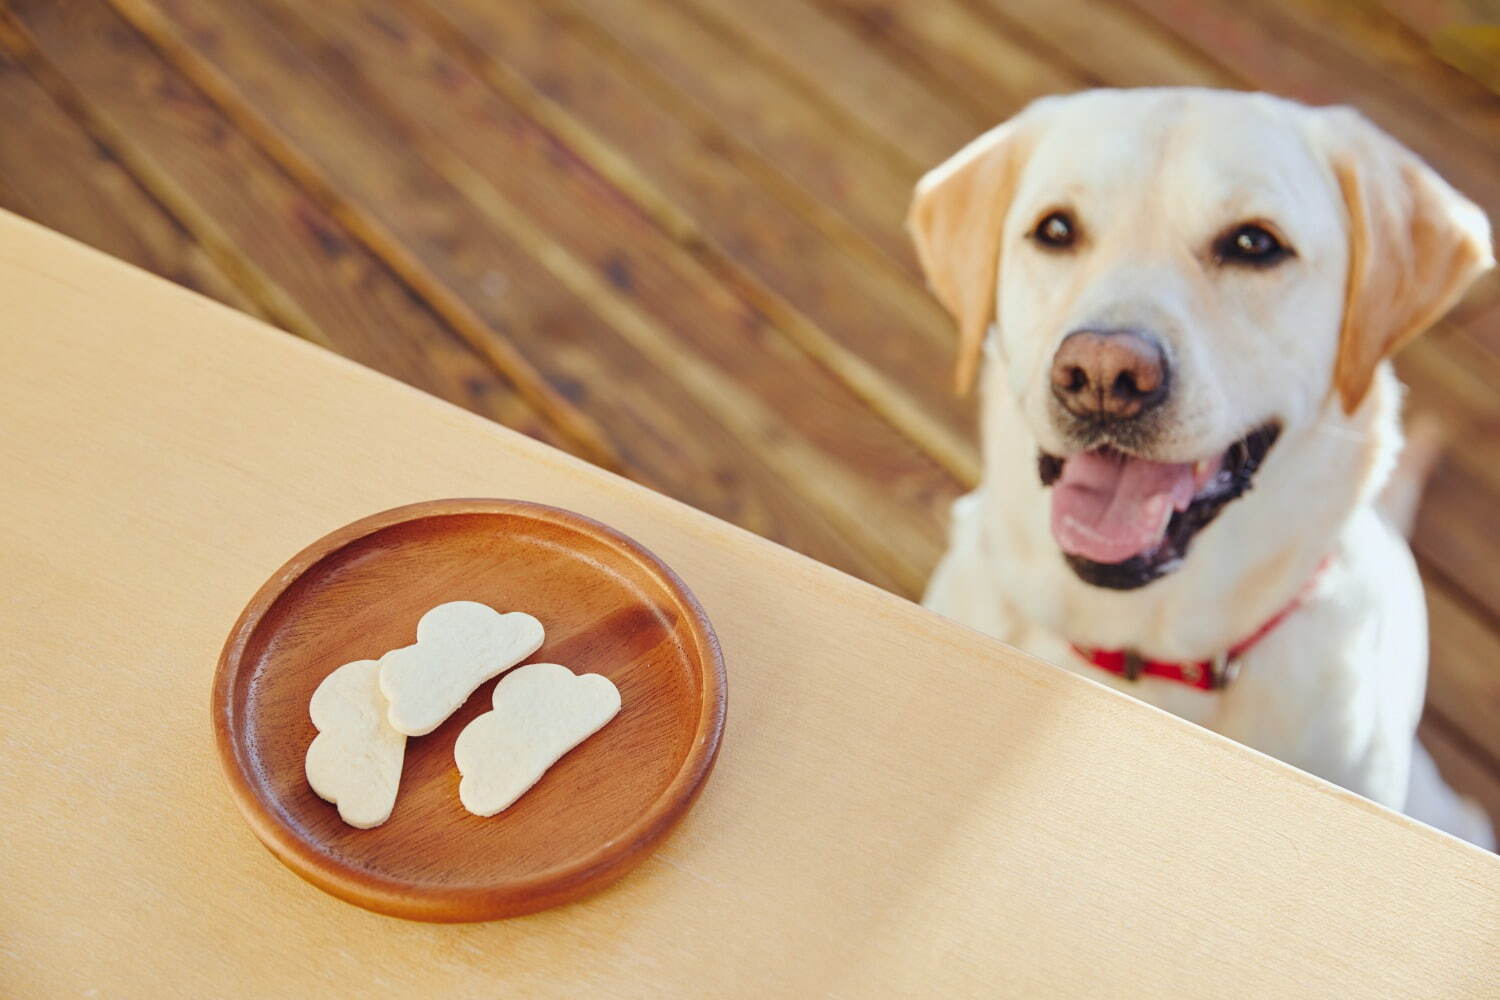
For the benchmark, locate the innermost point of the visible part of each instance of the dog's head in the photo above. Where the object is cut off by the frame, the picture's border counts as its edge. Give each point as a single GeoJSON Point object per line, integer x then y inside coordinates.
{"type": "Point", "coordinates": [1175, 278]}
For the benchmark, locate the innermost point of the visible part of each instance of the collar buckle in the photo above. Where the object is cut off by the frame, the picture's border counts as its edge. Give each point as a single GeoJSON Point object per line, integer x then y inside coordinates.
{"type": "Point", "coordinates": [1222, 670]}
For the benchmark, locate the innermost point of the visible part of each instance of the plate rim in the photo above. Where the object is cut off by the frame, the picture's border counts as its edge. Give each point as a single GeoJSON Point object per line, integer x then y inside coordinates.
{"type": "Point", "coordinates": [563, 884]}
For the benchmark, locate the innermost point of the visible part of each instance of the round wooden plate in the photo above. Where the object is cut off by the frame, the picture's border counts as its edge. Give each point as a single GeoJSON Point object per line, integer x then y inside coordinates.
{"type": "Point", "coordinates": [609, 607]}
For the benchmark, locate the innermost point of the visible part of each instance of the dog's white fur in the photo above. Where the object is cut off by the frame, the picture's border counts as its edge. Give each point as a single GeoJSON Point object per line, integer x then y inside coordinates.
{"type": "Point", "coordinates": [1382, 247]}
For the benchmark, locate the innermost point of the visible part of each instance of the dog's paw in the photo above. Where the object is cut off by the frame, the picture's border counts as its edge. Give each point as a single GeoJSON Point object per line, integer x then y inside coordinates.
{"type": "Point", "coordinates": [460, 645]}
{"type": "Point", "coordinates": [541, 711]}
{"type": "Point", "coordinates": [355, 760]}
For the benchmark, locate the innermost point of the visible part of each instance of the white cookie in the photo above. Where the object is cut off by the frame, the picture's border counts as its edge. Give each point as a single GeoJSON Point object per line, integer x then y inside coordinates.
{"type": "Point", "coordinates": [542, 711]}
{"type": "Point", "coordinates": [355, 760]}
{"type": "Point", "coordinates": [459, 646]}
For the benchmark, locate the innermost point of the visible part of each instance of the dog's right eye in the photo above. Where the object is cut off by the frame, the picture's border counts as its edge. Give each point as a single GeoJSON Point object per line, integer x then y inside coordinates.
{"type": "Point", "coordinates": [1251, 244]}
{"type": "Point", "coordinates": [1056, 230]}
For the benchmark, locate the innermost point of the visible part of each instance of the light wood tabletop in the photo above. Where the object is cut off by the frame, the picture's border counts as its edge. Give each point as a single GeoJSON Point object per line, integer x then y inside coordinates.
{"type": "Point", "coordinates": [901, 806]}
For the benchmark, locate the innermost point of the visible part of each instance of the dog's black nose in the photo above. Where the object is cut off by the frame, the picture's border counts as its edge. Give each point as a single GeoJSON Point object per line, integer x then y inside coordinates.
{"type": "Point", "coordinates": [1109, 374]}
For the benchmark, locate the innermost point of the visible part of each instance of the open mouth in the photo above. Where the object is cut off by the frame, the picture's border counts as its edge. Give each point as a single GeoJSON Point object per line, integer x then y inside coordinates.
{"type": "Point", "coordinates": [1123, 521]}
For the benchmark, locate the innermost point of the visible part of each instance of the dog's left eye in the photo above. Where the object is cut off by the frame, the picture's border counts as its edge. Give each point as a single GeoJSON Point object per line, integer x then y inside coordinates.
{"type": "Point", "coordinates": [1056, 231]}
{"type": "Point", "coordinates": [1250, 244]}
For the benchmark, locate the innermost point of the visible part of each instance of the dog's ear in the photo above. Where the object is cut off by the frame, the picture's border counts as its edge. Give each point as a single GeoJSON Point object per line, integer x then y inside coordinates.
{"type": "Point", "coordinates": [955, 221]}
{"type": "Point", "coordinates": [1415, 244]}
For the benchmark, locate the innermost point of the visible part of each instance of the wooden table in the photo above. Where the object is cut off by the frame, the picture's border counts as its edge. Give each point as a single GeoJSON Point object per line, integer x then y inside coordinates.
{"type": "Point", "coordinates": [901, 805]}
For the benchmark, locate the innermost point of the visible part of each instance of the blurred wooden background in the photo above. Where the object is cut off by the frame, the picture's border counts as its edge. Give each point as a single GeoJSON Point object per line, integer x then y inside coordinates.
{"type": "Point", "coordinates": [667, 234]}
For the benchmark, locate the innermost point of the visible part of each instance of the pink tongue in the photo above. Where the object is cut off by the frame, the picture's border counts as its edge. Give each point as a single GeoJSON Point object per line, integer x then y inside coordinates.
{"type": "Point", "coordinates": [1108, 507]}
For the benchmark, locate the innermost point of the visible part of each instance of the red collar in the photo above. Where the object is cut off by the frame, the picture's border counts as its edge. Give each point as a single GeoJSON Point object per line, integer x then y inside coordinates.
{"type": "Point", "coordinates": [1205, 675]}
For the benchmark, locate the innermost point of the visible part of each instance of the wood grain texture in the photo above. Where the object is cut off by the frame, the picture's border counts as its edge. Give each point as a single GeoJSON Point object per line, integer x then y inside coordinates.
{"type": "Point", "coordinates": [1461, 33]}
{"type": "Point", "coordinates": [331, 233]}
{"type": "Point", "coordinates": [56, 174]}
{"type": "Point", "coordinates": [856, 314]}
{"type": "Point", "coordinates": [993, 70]}
{"type": "Point", "coordinates": [1388, 56]}
{"type": "Point", "coordinates": [1454, 379]}
{"type": "Point", "coordinates": [609, 607]}
{"type": "Point", "coordinates": [718, 84]}
{"type": "Point", "coordinates": [1106, 43]}
{"type": "Point", "coordinates": [301, 267]}
{"type": "Point", "coordinates": [1464, 684]}
{"type": "Point", "coordinates": [1449, 532]}
{"type": "Point", "coordinates": [660, 297]}
{"type": "Point", "coordinates": [1483, 323]}
{"type": "Point", "coordinates": [601, 355]}
{"type": "Point", "coordinates": [831, 64]}
{"type": "Point", "coordinates": [900, 805]}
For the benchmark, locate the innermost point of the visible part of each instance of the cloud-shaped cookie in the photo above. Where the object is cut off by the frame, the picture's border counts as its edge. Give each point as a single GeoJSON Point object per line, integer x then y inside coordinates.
{"type": "Point", "coordinates": [355, 760]}
{"type": "Point", "coordinates": [459, 646]}
{"type": "Point", "coordinates": [542, 711]}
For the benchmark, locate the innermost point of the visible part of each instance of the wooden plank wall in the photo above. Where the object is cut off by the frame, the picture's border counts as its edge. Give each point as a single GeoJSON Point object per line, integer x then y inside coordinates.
{"type": "Point", "coordinates": [667, 234]}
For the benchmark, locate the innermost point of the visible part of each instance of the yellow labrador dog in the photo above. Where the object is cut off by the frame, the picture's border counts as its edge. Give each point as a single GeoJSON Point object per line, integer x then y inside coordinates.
{"type": "Point", "coordinates": [1184, 301]}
